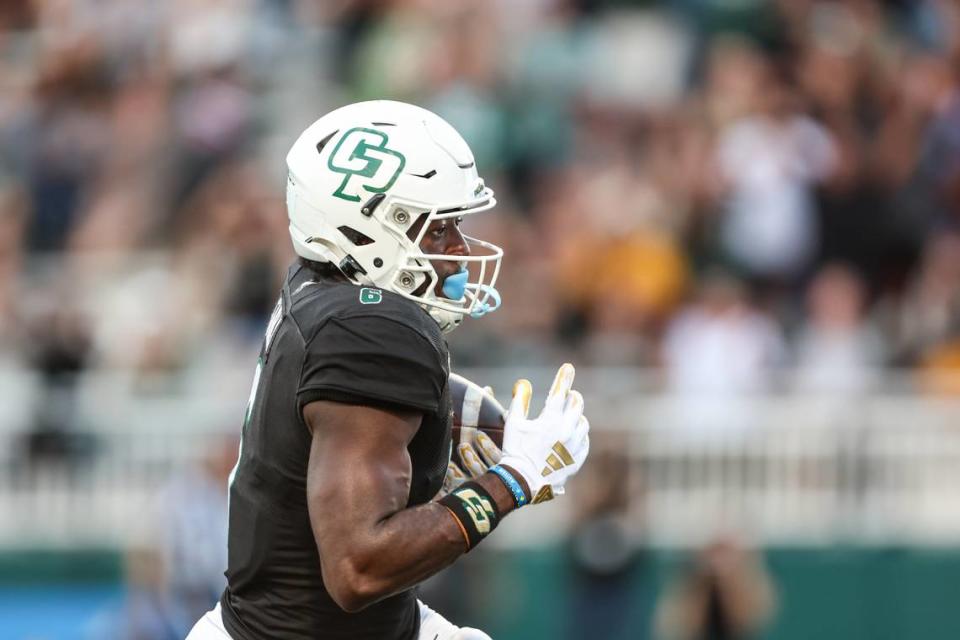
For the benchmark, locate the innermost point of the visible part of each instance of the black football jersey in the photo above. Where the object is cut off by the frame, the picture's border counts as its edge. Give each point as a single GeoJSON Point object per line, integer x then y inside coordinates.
{"type": "Point", "coordinates": [340, 342]}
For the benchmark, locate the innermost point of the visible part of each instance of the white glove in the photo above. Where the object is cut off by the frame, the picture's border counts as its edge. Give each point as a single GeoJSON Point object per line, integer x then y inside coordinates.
{"type": "Point", "coordinates": [434, 626]}
{"type": "Point", "coordinates": [551, 448]}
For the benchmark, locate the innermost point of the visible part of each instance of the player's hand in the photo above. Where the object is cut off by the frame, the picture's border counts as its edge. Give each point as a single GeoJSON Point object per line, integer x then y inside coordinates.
{"type": "Point", "coordinates": [478, 456]}
{"type": "Point", "coordinates": [454, 478]}
{"type": "Point", "coordinates": [550, 448]}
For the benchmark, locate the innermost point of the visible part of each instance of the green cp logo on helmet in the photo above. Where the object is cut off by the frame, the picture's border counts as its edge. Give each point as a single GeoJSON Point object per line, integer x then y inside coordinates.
{"type": "Point", "coordinates": [366, 162]}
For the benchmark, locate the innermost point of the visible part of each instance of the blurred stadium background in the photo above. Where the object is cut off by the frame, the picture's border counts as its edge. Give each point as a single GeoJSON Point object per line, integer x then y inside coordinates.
{"type": "Point", "coordinates": [740, 218]}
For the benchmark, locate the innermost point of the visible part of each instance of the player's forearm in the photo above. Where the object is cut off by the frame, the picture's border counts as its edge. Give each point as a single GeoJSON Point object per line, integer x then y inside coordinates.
{"type": "Point", "coordinates": [403, 550]}
{"type": "Point", "coordinates": [398, 553]}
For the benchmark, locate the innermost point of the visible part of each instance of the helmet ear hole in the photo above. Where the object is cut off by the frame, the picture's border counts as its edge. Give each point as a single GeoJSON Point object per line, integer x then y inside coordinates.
{"type": "Point", "coordinates": [357, 238]}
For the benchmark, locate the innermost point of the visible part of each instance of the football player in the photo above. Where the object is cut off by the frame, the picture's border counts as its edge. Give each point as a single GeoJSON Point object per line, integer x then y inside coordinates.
{"type": "Point", "coordinates": [346, 438]}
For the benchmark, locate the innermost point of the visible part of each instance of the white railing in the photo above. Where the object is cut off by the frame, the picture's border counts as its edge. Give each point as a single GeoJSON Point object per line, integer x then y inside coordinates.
{"type": "Point", "coordinates": [884, 468]}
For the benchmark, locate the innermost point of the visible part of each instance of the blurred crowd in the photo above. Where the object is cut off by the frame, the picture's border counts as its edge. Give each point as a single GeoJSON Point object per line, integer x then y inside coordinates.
{"type": "Point", "coordinates": [719, 191]}
{"type": "Point", "coordinates": [741, 196]}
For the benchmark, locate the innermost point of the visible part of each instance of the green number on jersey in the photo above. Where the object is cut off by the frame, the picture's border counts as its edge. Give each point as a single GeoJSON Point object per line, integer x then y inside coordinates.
{"type": "Point", "coordinates": [370, 296]}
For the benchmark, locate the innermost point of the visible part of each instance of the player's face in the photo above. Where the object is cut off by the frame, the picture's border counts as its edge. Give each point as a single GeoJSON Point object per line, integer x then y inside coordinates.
{"type": "Point", "coordinates": [442, 237]}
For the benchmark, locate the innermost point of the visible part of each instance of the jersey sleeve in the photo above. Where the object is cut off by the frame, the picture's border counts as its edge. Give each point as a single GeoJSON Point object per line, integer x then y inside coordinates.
{"type": "Point", "coordinates": [372, 360]}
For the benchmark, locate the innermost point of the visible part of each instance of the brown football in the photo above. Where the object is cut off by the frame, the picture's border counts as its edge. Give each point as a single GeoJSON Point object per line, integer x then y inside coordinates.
{"type": "Point", "coordinates": [474, 408]}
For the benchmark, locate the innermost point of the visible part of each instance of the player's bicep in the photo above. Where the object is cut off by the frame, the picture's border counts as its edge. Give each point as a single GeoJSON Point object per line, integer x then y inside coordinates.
{"type": "Point", "coordinates": [359, 474]}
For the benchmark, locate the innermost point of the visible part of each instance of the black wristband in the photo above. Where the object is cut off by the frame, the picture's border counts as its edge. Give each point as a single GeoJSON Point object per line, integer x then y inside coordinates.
{"type": "Point", "coordinates": [475, 511]}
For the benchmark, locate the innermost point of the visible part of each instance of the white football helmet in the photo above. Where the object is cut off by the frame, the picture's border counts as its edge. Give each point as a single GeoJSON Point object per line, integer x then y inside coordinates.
{"type": "Point", "coordinates": [362, 175]}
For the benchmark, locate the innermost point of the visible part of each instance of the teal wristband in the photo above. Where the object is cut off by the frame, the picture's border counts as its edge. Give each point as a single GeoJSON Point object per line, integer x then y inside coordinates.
{"type": "Point", "coordinates": [519, 497]}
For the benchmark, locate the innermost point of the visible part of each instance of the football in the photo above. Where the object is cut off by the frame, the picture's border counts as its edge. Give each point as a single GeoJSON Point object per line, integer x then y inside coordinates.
{"type": "Point", "coordinates": [475, 408]}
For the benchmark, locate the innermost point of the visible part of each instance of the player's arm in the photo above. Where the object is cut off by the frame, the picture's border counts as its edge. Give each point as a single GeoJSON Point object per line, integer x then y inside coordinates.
{"type": "Point", "coordinates": [358, 483]}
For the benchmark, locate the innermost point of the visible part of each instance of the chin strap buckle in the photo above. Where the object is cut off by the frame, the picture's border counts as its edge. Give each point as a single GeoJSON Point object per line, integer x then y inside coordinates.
{"type": "Point", "coordinates": [350, 267]}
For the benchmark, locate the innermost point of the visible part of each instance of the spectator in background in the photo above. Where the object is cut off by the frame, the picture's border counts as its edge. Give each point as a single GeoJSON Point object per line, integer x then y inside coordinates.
{"type": "Point", "coordinates": [212, 120]}
{"type": "Point", "coordinates": [68, 131]}
{"type": "Point", "coordinates": [837, 350]}
{"type": "Point", "coordinates": [58, 338]}
{"type": "Point", "coordinates": [175, 573]}
{"type": "Point", "coordinates": [724, 594]}
{"type": "Point", "coordinates": [620, 268]}
{"type": "Point", "coordinates": [719, 350]}
{"type": "Point", "coordinates": [13, 204]}
{"type": "Point", "coordinates": [930, 310]}
{"type": "Point", "coordinates": [209, 295]}
{"type": "Point", "coordinates": [721, 343]}
{"type": "Point", "coordinates": [840, 77]}
{"type": "Point", "coordinates": [770, 160]}
{"type": "Point", "coordinates": [930, 316]}
{"type": "Point", "coordinates": [633, 149]}
{"type": "Point", "coordinates": [635, 144]}
{"type": "Point", "coordinates": [604, 557]}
